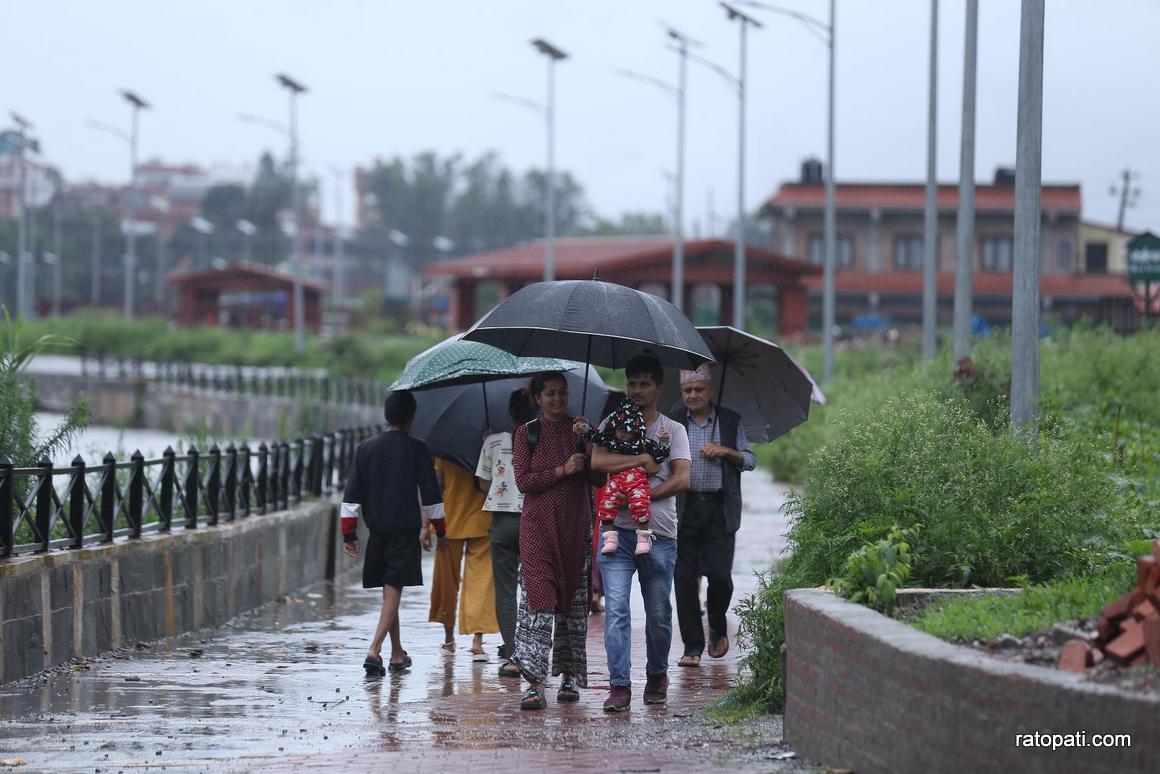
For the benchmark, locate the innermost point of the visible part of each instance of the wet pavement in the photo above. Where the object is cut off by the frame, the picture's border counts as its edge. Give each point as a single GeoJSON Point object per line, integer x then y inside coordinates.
{"type": "Point", "coordinates": [282, 688]}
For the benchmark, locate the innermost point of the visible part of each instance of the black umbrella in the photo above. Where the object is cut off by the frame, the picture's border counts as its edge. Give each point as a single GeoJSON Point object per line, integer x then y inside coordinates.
{"type": "Point", "coordinates": [452, 420]}
{"type": "Point", "coordinates": [593, 322]}
{"type": "Point", "coordinates": [758, 380]}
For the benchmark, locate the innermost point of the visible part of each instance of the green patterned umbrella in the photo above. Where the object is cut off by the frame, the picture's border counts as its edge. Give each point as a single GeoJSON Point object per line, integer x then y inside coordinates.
{"type": "Point", "coordinates": [454, 361]}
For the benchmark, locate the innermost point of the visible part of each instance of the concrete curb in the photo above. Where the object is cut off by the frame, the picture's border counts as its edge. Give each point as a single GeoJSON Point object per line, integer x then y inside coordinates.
{"type": "Point", "coordinates": [875, 695]}
{"type": "Point", "coordinates": [73, 604]}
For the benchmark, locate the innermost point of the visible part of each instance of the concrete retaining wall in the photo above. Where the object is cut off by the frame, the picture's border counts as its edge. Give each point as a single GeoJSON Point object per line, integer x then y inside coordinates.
{"type": "Point", "coordinates": [872, 694]}
{"type": "Point", "coordinates": [191, 411]}
{"type": "Point", "coordinates": [67, 604]}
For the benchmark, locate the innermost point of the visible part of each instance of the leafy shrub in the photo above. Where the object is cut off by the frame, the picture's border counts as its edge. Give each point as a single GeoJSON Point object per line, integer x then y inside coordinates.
{"type": "Point", "coordinates": [876, 570]}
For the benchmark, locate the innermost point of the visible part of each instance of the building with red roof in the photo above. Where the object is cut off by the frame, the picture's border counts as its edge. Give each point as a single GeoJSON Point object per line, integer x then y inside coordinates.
{"type": "Point", "coordinates": [643, 262]}
{"type": "Point", "coordinates": [245, 295]}
{"type": "Point", "coordinates": [879, 252]}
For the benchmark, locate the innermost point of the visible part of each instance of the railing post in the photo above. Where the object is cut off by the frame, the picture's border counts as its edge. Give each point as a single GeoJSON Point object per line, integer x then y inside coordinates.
{"type": "Point", "coordinates": [231, 481]}
{"type": "Point", "coordinates": [245, 480]}
{"type": "Point", "coordinates": [328, 462]}
{"type": "Point", "coordinates": [316, 466]}
{"type": "Point", "coordinates": [136, 493]}
{"type": "Point", "coordinates": [76, 503]}
{"type": "Point", "coordinates": [44, 503]}
{"type": "Point", "coordinates": [299, 454]}
{"type": "Point", "coordinates": [263, 476]}
{"type": "Point", "coordinates": [7, 488]}
{"type": "Point", "coordinates": [108, 509]}
{"type": "Point", "coordinates": [168, 479]}
{"type": "Point", "coordinates": [284, 477]}
{"type": "Point", "coordinates": [192, 476]}
{"type": "Point", "coordinates": [213, 485]}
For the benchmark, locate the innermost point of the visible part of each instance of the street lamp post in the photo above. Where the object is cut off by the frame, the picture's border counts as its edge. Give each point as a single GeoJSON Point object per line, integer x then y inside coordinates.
{"type": "Point", "coordinates": [339, 247]}
{"type": "Point", "coordinates": [130, 208]}
{"type": "Point", "coordinates": [965, 258]}
{"type": "Point", "coordinates": [826, 33]}
{"type": "Point", "coordinates": [930, 214]}
{"type": "Point", "coordinates": [739, 289]}
{"type": "Point", "coordinates": [554, 55]}
{"type": "Point", "coordinates": [295, 88]}
{"type": "Point", "coordinates": [22, 126]}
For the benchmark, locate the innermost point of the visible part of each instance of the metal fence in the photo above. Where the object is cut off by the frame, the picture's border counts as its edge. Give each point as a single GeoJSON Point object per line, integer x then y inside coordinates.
{"type": "Point", "coordinates": [45, 507]}
{"type": "Point", "coordinates": [312, 384]}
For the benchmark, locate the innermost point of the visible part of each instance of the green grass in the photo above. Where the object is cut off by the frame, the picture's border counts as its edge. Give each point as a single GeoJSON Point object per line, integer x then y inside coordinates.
{"type": "Point", "coordinates": [1034, 609]}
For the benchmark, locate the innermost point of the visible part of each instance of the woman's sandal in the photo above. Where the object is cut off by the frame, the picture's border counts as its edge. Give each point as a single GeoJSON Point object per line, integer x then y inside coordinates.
{"type": "Point", "coordinates": [533, 699]}
{"type": "Point", "coordinates": [509, 669]}
{"type": "Point", "coordinates": [374, 666]}
{"type": "Point", "coordinates": [689, 660]}
{"type": "Point", "coordinates": [401, 666]}
{"type": "Point", "coordinates": [569, 692]}
{"type": "Point", "coordinates": [447, 649]}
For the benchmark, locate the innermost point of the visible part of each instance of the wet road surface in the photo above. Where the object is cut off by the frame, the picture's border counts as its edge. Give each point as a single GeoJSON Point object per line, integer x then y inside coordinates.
{"type": "Point", "coordinates": [282, 688]}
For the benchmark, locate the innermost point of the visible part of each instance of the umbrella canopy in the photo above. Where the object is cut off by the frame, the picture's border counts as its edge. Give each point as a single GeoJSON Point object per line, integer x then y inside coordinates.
{"type": "Point", "coordinates": [592, 322]}
{"type": "Point", "coordinates": [454, 361]}
{"type": "Point", "coordinates": [452, 420]}
{"type": "Point", "coordinates": [758, 380]}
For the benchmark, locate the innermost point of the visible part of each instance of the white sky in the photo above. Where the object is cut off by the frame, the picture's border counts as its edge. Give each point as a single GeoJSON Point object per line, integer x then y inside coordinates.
{"type": "Point", "coordinates": [390, 78]}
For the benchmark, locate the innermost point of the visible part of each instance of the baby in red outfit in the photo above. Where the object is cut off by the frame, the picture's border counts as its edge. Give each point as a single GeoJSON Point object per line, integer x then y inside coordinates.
{"type": "Point", "coordinates": [624, 434]}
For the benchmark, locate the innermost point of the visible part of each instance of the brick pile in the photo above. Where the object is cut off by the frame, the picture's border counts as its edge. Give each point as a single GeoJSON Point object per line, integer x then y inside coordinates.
{"type": "Point", "coordinates": [1128, 631]}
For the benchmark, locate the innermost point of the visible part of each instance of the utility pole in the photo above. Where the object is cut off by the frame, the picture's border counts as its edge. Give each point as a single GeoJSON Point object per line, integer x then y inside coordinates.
{"type": "Point", "coordinates": [829, 292]}
{"type": "Point", "coordinates": [130, 207]}
{"type": "Point", "coordinates": [295, 88]}
{"type": "Point", "coordinates": [554, 55]}
{"type": "Point", "coordinates": [1127, 192]}
{"type": "Point", "coordinates": [95, 287]}
{"type": "Point", "coordinates": [339, 246]}
{"type": "Point", "coordinates": [678, 282]}
{"type": "Point", "coordinates": [22, 126]}
{"type": "Point", "coordinates": [930, 214]}
{"type": "Point", "coordinates": [1028, 170]}
{"type": "Point", "coordinates": [739, 259]}
{"type": "Point", "coordinates": [964, 260]}
{"type": "Point", "coordinates": [57, 250]}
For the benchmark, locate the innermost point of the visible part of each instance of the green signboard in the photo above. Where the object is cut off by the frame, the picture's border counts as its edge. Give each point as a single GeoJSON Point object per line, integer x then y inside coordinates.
{"type": "Point", "coordinates": [1144, 258]}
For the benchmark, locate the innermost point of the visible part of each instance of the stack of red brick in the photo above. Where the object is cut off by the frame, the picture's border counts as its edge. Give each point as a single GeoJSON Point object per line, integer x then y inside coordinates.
{"type": "Point", "coordinates": [1129, 628]}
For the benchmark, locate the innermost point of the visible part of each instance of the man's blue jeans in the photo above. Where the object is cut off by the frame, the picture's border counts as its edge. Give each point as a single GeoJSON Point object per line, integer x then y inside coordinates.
{"type": "Point", "coordinates": [656, 583]}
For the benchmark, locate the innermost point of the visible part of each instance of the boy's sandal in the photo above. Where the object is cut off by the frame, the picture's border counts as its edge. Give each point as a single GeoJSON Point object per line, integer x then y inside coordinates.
{"type": "Point", "coordinates": [509, 669]}
{"type": "Point", "coordinates": [569, 692]}
{"type": "Point", "coordinates": [533, 699]}
{"type": "Point", "coordinates": [374, 666]}
{"type": "Point", "coordinates": [689, 660]}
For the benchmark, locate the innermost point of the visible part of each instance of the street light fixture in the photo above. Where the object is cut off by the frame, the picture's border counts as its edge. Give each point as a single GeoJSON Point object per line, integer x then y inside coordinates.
{"type": "Point", "coordinates": [825, 33]}
{"type": "Point", "coordinates": [554, 55]}
{"type": "Point", "coordinates": [295, 88]}
{"type": "Point", "coordinates": [138, 104]}
{"type": "Point", "coordinates": [22, 305]}
{"type": "Point", "coordinates": [739, 289]}
{"type": "Point", "coordinates": [683, 42]}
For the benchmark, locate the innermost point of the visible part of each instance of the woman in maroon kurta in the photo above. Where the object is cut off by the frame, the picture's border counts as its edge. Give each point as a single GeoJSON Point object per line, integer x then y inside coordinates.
{"type": "Point", "coordinates": [554, 534]}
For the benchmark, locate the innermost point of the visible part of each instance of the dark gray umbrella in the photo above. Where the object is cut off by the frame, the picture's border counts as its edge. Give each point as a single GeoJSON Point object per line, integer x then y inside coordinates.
{"type": "Point", "coordinates": [591, 321]}
{"type": "Point", "coordinates": [453, 422]}
{"type": "Point", "coordinates": [758, 380]}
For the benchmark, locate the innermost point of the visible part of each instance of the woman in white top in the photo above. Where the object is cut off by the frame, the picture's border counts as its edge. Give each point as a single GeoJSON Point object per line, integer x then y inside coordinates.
{"type": "Point", "coordinates": [505, 502]}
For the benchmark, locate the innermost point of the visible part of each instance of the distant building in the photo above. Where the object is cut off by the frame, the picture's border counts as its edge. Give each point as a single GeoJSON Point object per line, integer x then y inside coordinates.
{"type": "Point", "coordinates": [643, 262]}
{"type": "Point", "coordinates": [245, 296]}
{"type": "Point", "coordinates": [879, 249]}
{"type": "Point", "coordinates": [1103, 249]}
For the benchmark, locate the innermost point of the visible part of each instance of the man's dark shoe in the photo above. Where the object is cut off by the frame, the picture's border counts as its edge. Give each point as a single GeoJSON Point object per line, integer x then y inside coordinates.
{"type": "Point", "coordinates": [618, 699]}
{"type": "Point", "coordinates": [656, 689]}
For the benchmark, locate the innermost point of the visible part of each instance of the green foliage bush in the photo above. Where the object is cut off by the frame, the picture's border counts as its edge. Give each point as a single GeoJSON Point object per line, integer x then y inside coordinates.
{"type": "Point", "coordinates": [876, 571]}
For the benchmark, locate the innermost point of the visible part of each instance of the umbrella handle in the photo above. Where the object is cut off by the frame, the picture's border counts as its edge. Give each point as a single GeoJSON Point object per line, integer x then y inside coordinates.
{"type": "Point", "coordinates": [580, 447]}
{"type": "Point", "coordinates": [486, 412]}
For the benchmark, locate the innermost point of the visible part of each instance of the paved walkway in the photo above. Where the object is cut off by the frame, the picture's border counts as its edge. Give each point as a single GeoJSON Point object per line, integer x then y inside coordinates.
{"type": "Point", "coordinates": [283, 689]}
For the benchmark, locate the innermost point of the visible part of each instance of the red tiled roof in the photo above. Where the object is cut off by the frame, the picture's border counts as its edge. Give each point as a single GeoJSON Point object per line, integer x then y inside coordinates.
{"type": "Point", "coordinates": [576, 257]}
{"type": "Point", "coordinates": [983, 284]}
{"type": "Point", "coordinates": [912, 196]}
{"type": "Point", "coordinates": [242, 270]}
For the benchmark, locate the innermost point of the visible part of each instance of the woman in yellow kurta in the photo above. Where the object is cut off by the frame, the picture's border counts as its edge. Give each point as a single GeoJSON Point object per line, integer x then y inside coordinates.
{"type": "Point", "coordinates": [463, 557]}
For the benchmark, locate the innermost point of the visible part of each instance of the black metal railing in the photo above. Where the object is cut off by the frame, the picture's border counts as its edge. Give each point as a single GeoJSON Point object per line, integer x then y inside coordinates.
{"type": "Point", "coordinates": [310, 384]}
{"type": "Point", "coordinates": [46, 507]}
